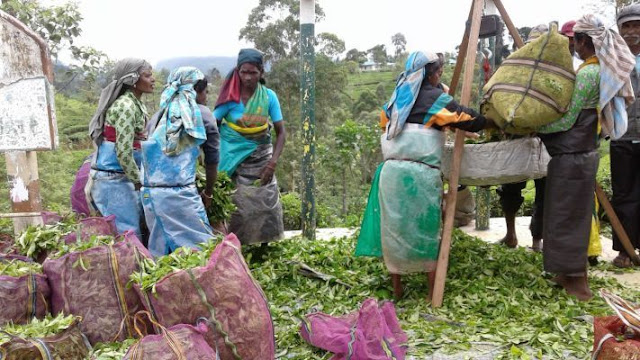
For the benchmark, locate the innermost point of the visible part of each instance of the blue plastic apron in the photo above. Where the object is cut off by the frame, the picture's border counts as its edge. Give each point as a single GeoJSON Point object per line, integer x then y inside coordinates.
{"type": "Point", "coordinates": [173, 209]}
{"type": "Point", "coordinates": [112, 192]}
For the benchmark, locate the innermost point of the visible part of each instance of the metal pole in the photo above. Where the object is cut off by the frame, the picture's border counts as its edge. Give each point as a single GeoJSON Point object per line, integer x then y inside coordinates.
{"type": "Point", "coordinates": [308, 96]}
{"type": "Point", "coordinates": [483, 193]}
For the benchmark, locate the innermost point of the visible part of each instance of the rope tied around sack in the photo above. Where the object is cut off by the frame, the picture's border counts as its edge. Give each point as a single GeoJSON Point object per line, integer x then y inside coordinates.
{"type": "Point", "coordinates": [115, 277]}
{"type": "Point", "coordinates": [213, 319]}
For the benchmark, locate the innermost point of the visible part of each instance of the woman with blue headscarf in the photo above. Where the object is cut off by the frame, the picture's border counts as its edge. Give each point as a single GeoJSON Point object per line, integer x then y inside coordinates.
{"type": "Point", "coordinates": [173, 208]}
{"type": "Point", "coordinates": [403, 217]}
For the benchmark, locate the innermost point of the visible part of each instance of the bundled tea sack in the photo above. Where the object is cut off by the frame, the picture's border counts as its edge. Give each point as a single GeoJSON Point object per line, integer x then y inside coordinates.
{"type": "Point", "coordinates": [533, 87]}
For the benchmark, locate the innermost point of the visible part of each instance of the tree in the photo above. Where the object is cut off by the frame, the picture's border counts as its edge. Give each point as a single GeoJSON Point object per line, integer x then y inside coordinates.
{"type": "Point", "coordinates": [214, 75]}
{"type": "Point", "coordinates": [329, 44]}
{"type": "Point", "coordinates": [379, 54]}
{"type": "Point", "coordinates": [356, 55]}
{"type": "Point", "coordinates": [277, 36]}
{"type": "Point", "coordinates": [399, 42]}
{"type": "Point", "coordinates": [524, 34]}
{"type": "Point", "coordinates": [367, 101]}
{"type": "Point", "coordinates": [59, 26]}
{"type": "Point", "coordinates": [604, 7]}
{"type": "Point", "coordinates": [381, 93]}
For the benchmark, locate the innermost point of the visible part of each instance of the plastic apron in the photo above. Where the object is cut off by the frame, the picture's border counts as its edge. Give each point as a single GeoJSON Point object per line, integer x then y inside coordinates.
{"type": "Point", "coordinates": [403, 218]}
{"type": "Point", "coordinates": [111, 192]}
{"type": "Point", "coordinates": [173, 208]}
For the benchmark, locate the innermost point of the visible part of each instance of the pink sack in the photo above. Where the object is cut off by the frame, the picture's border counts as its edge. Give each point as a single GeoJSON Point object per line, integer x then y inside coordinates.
{"type": "Point", "coordinates": [372, 333]}
{"type": "Point", "coordinates": [79, 202]}
{"type": "Point", "coordinates": [93, 226]}
{"type": "Point", "coordinates": [23, 298]}
{"type": "Point", "coordinates": [223, 292]}
{"type": "Point", "coordinates": [98, 294]}
{"type": "Point", "coordinates": [50, 217]}
{"type": "Point", "coordinates": [178, 342]}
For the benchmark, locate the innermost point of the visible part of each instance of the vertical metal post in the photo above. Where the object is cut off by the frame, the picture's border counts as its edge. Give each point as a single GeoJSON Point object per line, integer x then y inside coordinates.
{"type": "Point", "coordinates": [308, 97]}
{"type": "Point", "coordinates": [483, 193]}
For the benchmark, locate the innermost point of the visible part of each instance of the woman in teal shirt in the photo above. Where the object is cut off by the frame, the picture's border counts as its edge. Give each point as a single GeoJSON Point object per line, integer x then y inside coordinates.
{"type": "Point", "coordinates": [246, 110]}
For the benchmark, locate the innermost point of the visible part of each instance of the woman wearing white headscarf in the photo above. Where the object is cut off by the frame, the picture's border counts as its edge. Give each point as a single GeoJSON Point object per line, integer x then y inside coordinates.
{"type": "Point", "coordinates": [602, 89]}
{"type": "Point", "coordinates": [117, 129]}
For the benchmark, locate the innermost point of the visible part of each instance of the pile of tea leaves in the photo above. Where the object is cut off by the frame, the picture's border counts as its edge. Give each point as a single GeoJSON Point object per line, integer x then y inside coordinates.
{"type": "Point", "coordinates": [494, 295]}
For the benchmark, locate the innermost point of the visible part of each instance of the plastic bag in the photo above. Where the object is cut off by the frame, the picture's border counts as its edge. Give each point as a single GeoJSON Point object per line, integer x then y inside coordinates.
{"type": "Point", "coordinates": [372, 333]}
{"type": "Point", "coordinates": [497, 163]}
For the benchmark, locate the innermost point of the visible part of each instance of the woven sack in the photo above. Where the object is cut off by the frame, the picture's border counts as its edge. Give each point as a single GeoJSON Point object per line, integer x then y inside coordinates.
{"type": "Point", "coordinates": [533, 86]}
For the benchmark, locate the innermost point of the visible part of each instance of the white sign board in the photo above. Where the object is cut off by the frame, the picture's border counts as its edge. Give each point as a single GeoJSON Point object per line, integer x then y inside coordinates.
{"type": "Point", "coordinates": [27, 116]}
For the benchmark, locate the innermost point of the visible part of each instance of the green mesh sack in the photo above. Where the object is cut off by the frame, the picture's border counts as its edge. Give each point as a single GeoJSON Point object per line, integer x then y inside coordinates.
{"type": "Point", "coordinates": [533, 86]}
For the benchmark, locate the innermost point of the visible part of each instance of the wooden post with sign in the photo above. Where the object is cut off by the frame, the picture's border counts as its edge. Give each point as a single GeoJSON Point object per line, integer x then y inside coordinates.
{"type": "Point", "coordinates": [466, 56]}
{"type": "Point", "coordinates": [27, 115]}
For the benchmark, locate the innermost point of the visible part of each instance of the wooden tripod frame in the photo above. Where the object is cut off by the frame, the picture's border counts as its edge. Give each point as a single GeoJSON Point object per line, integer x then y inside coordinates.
{"type": "Point", "coordinates": [466, 56]}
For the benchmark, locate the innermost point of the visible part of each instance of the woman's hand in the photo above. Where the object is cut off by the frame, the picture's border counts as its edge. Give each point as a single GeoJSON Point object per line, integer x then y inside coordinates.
{"type": "Point", "coordinates": [267, 173]}
{"type": "Point", "coordinates": [490, 124]}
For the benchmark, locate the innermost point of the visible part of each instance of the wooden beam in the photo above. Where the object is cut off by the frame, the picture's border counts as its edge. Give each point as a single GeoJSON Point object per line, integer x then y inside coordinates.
{"type": "Point", "coordinates": [617, 225]}
{"type": "Point", "coordinates": [465, 97]}
{"type": "Point", "coordinates": [462, 51]}
{"type": "Point", "coordinates": [24, 188]}
{"type": "Point", "coordinates": [507, 20]}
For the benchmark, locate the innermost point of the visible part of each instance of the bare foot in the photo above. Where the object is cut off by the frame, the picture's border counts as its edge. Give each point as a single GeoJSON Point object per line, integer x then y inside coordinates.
{"type": "Point", "coordinates": [537, 245]}
{"type": "Point", "coordinates": [510, 240]}
{"type": "Point", "coordinates": [578, 287]}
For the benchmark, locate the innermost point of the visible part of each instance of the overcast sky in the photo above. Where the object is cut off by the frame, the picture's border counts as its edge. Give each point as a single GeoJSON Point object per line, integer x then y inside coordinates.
{"type": "Point", "coordinates": [160, 29]}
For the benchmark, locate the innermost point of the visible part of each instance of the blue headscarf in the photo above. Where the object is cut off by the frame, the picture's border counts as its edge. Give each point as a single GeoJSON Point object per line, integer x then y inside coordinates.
{"type": "Point", "coordinates": [181, 123]}
{"type": "Point", "coordinates": [406, 91]}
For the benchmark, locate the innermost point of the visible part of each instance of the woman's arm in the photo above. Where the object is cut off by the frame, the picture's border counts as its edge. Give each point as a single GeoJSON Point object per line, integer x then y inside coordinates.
{"type": "Point", "coordinates": [586, 87]}
{"type": "Point", "coordinates": [124, 122]}
{"type": "Point", "coordinates": [270, 168]}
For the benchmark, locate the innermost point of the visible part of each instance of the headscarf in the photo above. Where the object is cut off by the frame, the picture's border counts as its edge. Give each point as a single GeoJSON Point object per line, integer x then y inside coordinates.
{"type": "Point", "coordinates": [230, 90]}
{"type": "Point", "coordinates": [537, 31]}
{"type": "Point", "coordinates": [406, 92]}
{"type": "Point", "coordinates": [616, 63]}
{"type": "Point", "coordinates": [181, 122]}
{"type": "Point", "coordinates": [126, 72]}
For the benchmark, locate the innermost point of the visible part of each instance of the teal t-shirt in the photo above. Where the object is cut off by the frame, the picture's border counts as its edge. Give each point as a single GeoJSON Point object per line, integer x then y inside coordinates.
{"type": "Point", "coordinates": [234, 110]}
